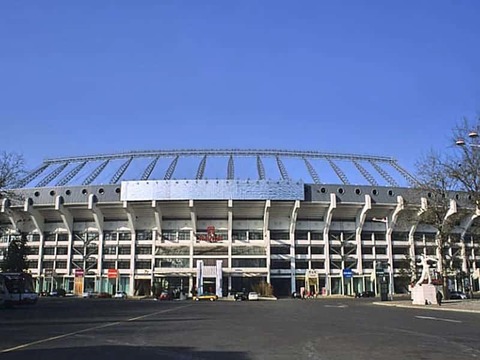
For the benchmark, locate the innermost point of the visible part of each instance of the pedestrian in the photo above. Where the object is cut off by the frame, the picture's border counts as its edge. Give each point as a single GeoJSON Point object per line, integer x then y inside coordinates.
{"type": "Point", "coordinates": [439, 298]}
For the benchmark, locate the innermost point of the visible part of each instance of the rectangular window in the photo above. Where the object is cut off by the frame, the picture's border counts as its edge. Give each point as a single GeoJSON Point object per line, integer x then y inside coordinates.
{"type": "Point", "coordinates": [318, 264]}
{"type": "Point", "coordinates": [169, 235]}
{"type": "Point", "coordinates": [173, 250]}
{"type": "Point", "coordinates": [143, 250]}
{"type": "Point", "coordinates": [33, 237]}
{"type": "Point", "coordinates": [301, 235]}
{"type": "Point", "coordinates": [316, 235]}
{"type": "Point", "coordinates": [144, 235]}
{"type": "Point", "coordinates": [279, 235]}
{"type": "Point", "coordinates": [367, 250]}
{"type": "Point", "coordinates": [109, 235]}
{"type": "Point", "coordinates": [280, 264]}
{"type": "Point", "coordinates": [48, 265]}
{"type": "Point", "coordinates": [184, 235]}
{"type": "Point", "coordinates": [280, 250]}
{"type": "Point", "coordinates": [62, 250]}
{"type": "Point", "coordinates": [61, 264]}
{"type": "Point", "coordinates": [124, 236]}
{"type": "Point", "coordinates": [172, 263]}
{"type": "Point", "coordinates": [381, 250]}
{"type": "Point", "coordinates": [301, 264]}
{"type": "Point", "coordinates": [366, 235]}
{"type": "Point", "coordinates": [110, 250]}
{"type": "Point", "coordinates": [400, 250]}
{"type": "Point", "coordinates": [33, 250]}
{"type": "Point", "coordinates": [249, 263]}
{"type": "Point", "coordinates": [109, 265]}
{"type": "Point", "coordinates": [142, 264]}
{"type": "Point", "coordinates": [317, 250]}
{"type": "Point", "coordinates": [124, 265]}
{"type": "Point", "coordinates": [301, 250]}
{"type": "Point", "coordinates": [210, 250]}
{"type": "Point", "coordinates": [62, 237]}
{"type": "Point", "coordinates": [50, 236]}
{"type": "Point", "coordinates": [50, 250]}
{"type": "Point", "coordinates": [255, 235]}
{"type": "Point", "coordinates": [124, 250]}
{"type": "Point", "coordinates": [239, 234]}
{"type": "Point", "coordinates": [248, 250]}
{"type": "Point", "coordinates": [32, 264]}
{"type": "Point", "coordinates": [400, 235]}
{"type": "Point", "coordinates": [380, 236]}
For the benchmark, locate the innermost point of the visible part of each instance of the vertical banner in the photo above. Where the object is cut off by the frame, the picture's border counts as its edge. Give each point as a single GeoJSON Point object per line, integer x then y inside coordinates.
{"type": "Point", "coordinates": [199, 277]}
{"type": "Point", "coordinates": [219, 281]}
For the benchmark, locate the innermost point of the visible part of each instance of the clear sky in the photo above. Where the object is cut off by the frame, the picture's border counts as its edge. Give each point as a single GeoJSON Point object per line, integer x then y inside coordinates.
{"type": "Point", "coordinates": [355, 76]}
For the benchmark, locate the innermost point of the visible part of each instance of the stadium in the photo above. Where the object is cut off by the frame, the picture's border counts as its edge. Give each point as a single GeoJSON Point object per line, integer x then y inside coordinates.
{"type": "Point", "coordinates": [225, 220]}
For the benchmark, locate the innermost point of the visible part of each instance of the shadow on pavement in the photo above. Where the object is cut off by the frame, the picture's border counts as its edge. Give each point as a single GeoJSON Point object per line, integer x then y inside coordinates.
{"type": "Point", "coordinates": [122, 352]}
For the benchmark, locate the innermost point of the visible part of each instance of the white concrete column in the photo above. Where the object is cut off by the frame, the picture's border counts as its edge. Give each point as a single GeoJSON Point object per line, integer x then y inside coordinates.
{"type": "Point", "coordinates": [266, 236]}
{"type": "Point", "coordinates": [359, 222]}
{"type": "Point", "coordinates": [67, 220]}
{"type": "Point", "coordinates": [293, 222]}
{"type": "Point", "coordinates": [328, 221]}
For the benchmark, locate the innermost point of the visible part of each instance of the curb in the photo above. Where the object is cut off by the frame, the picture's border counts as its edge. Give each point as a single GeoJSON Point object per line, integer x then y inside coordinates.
{"type": "Point", "coordinates": [425, 307]}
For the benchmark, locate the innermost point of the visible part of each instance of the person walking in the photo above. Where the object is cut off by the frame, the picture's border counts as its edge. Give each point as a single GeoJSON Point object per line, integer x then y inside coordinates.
{"type": "Point", "coordinates": [439, 298]}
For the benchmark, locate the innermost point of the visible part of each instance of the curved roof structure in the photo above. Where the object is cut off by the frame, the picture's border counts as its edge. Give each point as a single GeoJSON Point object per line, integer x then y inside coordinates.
{"type": "Point", "coordinates": [307, 166]}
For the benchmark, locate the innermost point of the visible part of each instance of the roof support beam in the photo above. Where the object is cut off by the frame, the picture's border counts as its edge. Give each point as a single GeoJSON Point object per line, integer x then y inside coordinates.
{"type": "Point", "coordinates": [193, 216]}
{"type": "Point", "coordinates": [97, 213]}
{"type": "Point", "coordinates": [131, 218]}
{"type": "Point", "coordinates": [15, 218]}
{"type": "Point", "coordinates": [37, 219]}
{"type": "Point", "coordinates": [65, 214]}
{"type": "Point", "coordinates": [157, 213]}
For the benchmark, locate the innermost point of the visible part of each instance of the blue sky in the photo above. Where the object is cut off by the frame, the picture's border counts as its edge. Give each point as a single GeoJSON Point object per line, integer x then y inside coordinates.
{"type": "Point", "coordinates": [369, 77]}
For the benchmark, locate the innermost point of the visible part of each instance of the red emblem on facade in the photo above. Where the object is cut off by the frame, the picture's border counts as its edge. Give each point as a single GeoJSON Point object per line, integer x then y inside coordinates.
{"type": "Point", "coordinates": [210, 236]}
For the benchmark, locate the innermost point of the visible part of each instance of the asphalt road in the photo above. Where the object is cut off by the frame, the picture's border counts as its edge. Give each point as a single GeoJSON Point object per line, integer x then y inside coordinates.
{"type": "Point", "coordinates": [71, 329]}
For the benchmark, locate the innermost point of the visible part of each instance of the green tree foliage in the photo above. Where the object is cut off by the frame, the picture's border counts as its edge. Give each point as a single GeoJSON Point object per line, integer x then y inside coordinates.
{"type": "Point", "coordinates": [15, 259]}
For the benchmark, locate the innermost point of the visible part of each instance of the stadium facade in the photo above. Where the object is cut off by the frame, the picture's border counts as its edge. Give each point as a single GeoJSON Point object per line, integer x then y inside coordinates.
{"type": "Point", "coordinates": [138, 222]}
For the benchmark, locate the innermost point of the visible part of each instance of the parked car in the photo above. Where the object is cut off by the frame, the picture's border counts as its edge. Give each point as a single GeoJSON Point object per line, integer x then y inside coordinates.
{"type": "Point", "coordinates": [296, 295]}
{"type": "Point", "coordinates": [240, 296]}
{"type": "Point", "coordinates": [458, 295]}
{"type": "Point", "coordinates": [165, 295]}
{"type": "Point", "coordinates": [206, 296]}
{"type": "Point", "coordinates": [120, 295]}
{"type": "Point", "coordinates": [89, 294]}
{"type": "Point", "coordinates": [252, 296]}
{"type": "Point", "coordinates": [365, 294]}
{"type": "Point", "coordinates": [104, 295]}
{"type": "Point", "coordinates": [58, 292]}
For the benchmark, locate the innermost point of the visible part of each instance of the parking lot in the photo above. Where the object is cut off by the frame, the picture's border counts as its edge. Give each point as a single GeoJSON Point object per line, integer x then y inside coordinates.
{"type": "Point", "coordinates": [72, 328]}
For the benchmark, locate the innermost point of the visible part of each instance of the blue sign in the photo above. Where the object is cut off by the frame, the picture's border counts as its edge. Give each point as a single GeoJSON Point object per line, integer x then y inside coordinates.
{"type": "Point", "coordinates": [347, 273]}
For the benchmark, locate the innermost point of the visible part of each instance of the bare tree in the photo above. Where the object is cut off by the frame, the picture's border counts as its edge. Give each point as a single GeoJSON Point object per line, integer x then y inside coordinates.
{"type": "Point", "coordinates": [464, 165]}
{"type": "Point", "coordinates": [435, 183]}
{"type": "Point", "coordinates": [11, 171]}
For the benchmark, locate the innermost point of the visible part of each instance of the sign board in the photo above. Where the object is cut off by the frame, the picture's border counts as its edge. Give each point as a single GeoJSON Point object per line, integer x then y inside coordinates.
{"type": "Point", "coordinates": [347, 273]}
{"type": "Point", "coordinates": [79, 273]}
{"type": "Point", "coordinates": [112, 273]}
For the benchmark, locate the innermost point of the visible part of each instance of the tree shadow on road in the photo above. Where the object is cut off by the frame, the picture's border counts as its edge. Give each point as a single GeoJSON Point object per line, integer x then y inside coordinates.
{"type": "Point", "coordinates": [124, 353]}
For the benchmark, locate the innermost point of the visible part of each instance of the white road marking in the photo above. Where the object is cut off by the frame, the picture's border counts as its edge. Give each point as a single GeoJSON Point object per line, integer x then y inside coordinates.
{"type": "Point", "coordinates": [86, 330]}
{"type": "Point", "coordinates": [336, 306]}
{"type": "Point", "coordinates": [437, 319]}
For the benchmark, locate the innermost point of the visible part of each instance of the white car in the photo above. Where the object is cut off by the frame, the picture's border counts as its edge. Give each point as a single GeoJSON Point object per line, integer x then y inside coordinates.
{"type": "Point", "coordinates": [120, 295]}
{"type": "Point", "coordinates": [252, 295]}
